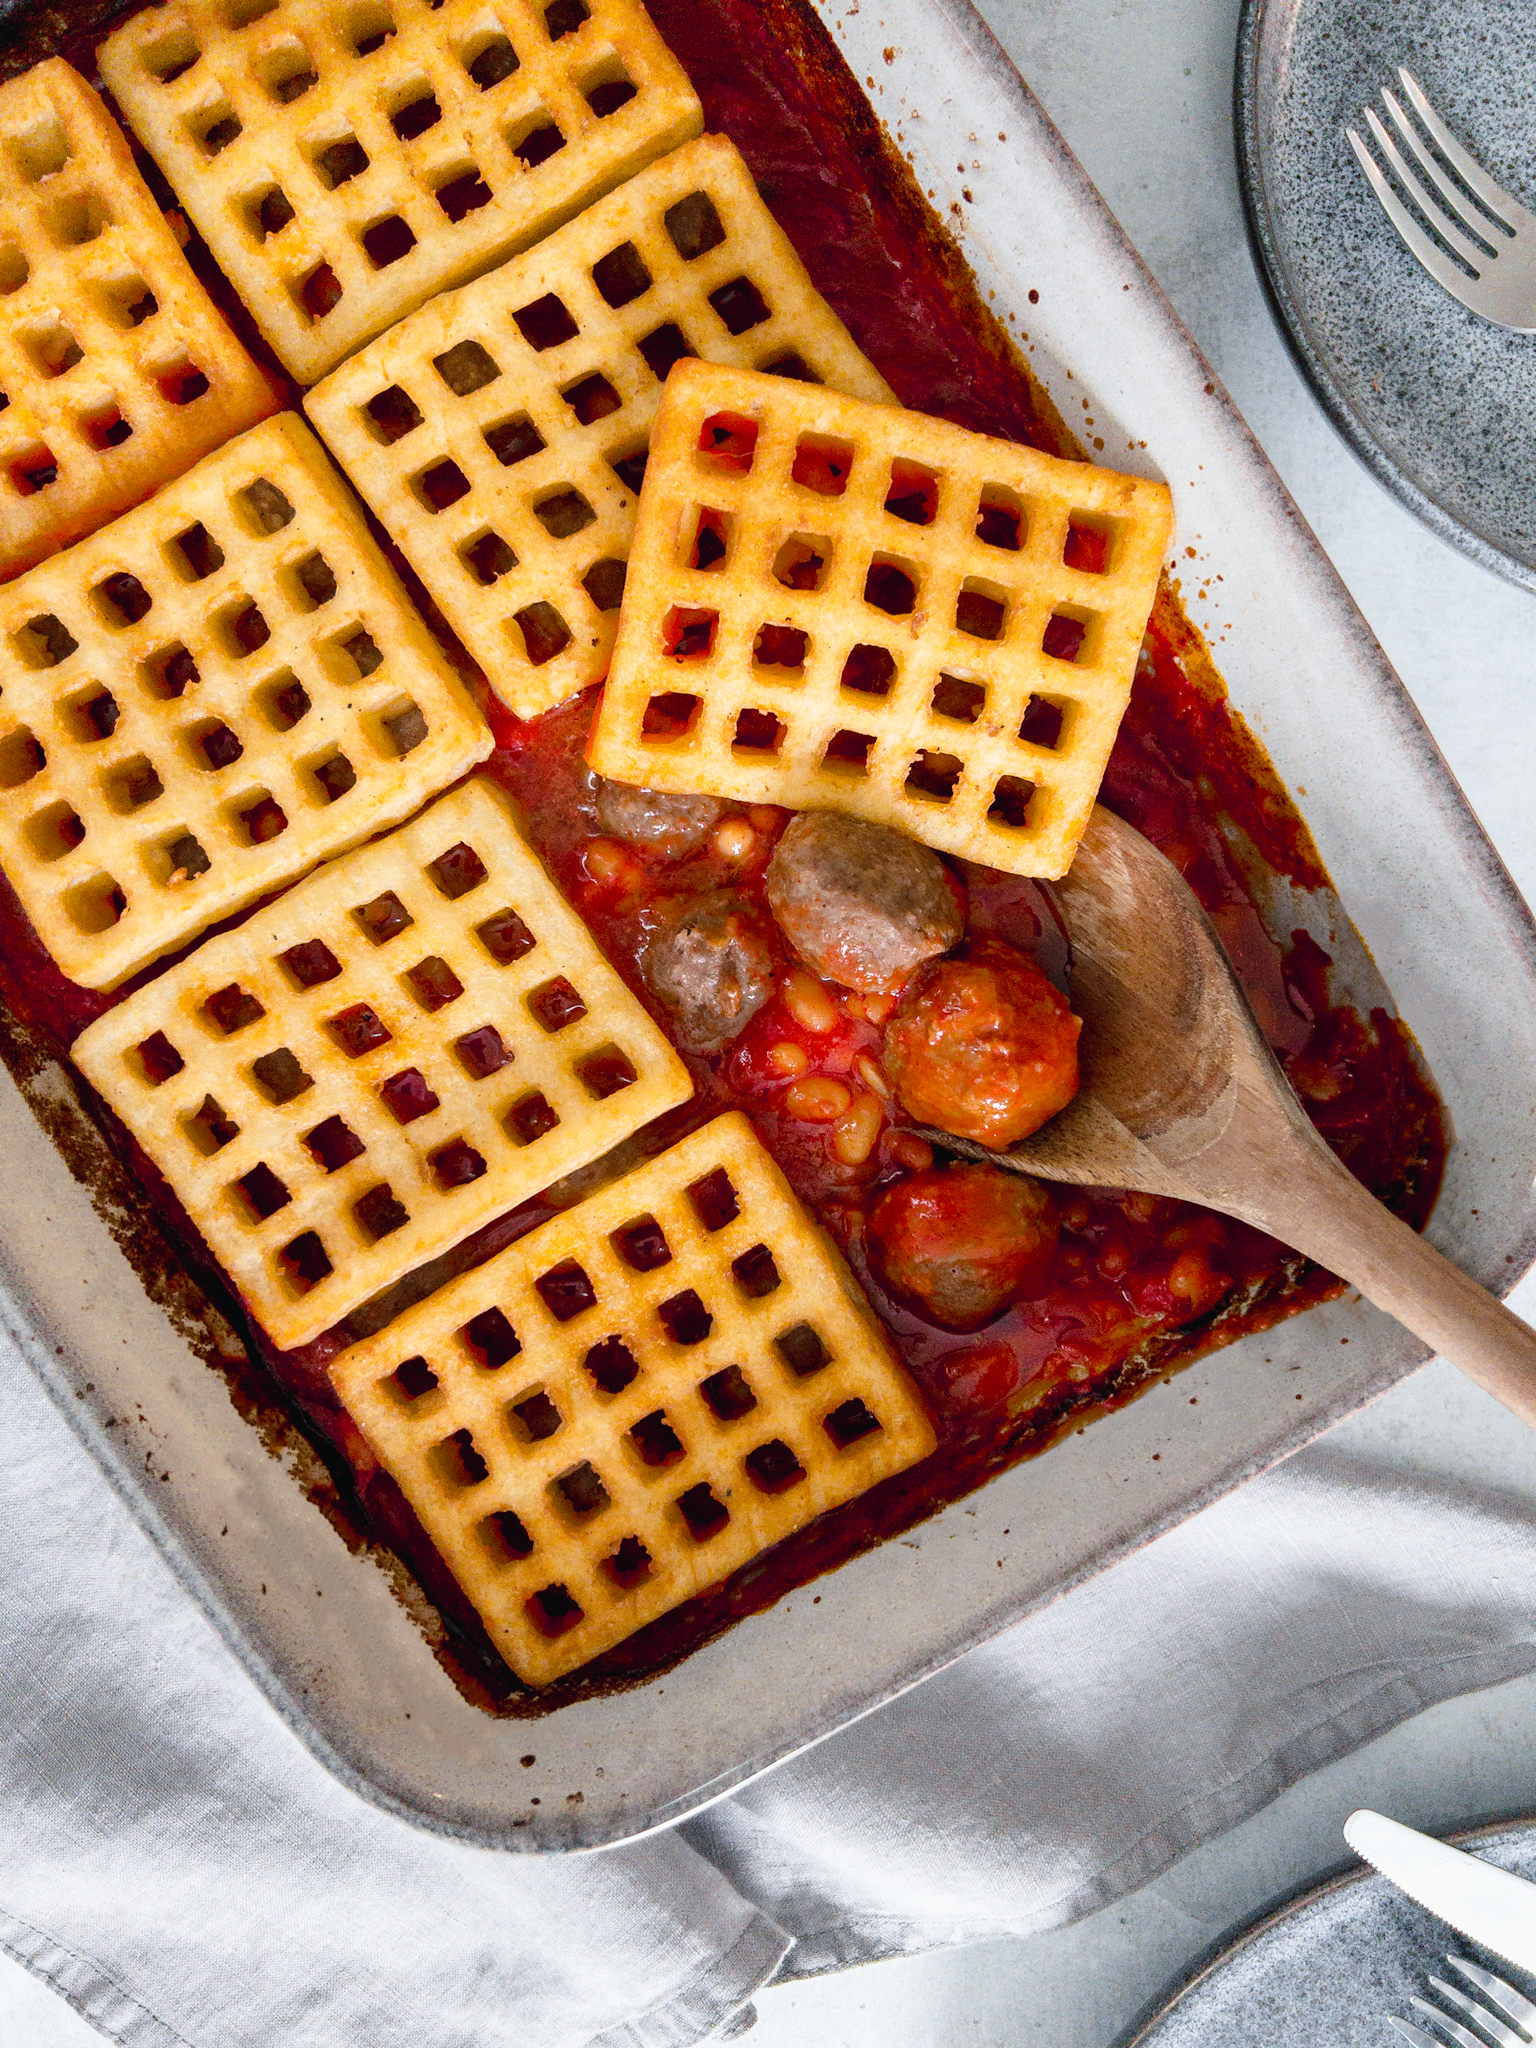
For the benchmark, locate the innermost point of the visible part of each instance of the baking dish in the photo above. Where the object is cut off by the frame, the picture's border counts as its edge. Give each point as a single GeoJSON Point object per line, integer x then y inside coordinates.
{"type": "Point", "coordinates": [323, 1629]}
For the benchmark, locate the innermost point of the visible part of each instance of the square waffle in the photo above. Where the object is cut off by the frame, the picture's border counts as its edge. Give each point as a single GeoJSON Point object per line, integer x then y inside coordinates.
{"type": "Point", "coordinates": [207, 697]}
{"type": "Point", "coordinates": [631, 1401]}
{"type": "Point", "coordinates": [346, 160]}
{"type": "Point", "coordinates": [500, 433]}
{"type": "Point", "coordinates": [412, 1040]}
{"type": "Point", "coordinates": [117, 371]}
{"type": "Point", "coordinates": [842, 606]}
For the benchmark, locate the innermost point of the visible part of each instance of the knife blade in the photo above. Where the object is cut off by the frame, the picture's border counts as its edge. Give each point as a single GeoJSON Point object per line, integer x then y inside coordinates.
{"type": "Point", "coordinates": [1489, 1906]}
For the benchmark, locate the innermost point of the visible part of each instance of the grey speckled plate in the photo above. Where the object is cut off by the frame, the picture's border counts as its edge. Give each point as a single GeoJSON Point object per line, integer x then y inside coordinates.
{"type": "Point", "coordinates": [1436, 402]}
{"type": "Point", "coordinates": [1322, 1970]}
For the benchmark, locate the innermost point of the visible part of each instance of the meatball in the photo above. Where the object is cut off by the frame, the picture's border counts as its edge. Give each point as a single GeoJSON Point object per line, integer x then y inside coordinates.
{"type": "Point", "coordinates": [710, 963]}
{"type": "Point", "coordinates": [984, 1047]}
{"type": "Point", "coordinates": [862, 904]}
{"type": "Point", "coordinates": [671, 825]}
{"type": "Point", "coordinates": [959, 1245]}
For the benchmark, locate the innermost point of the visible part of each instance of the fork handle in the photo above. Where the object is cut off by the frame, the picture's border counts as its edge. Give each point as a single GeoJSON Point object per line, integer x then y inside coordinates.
{"type": "Point", "coordinates": [1322, 1210]}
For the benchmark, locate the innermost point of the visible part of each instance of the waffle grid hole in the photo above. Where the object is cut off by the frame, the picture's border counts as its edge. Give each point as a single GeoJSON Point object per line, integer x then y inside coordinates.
{"type": "Point", "coordinates": [606, 87]}
{"type": "Point", "coordinates": [132, 785]}
{"type": "Point", "coordinates": [95, 905]}
{"type": "Point", "coordinates": [21, 757]}
{"type": "Point", "coordinates": [411, 1381]}
{"type": "Point", "coordinates": [656, 1443]}
{"type": "Point", "coordinates": [534, 1416]}
{"type": "Point", "coordinates": [773, 1467]}
{"type": "Point", "coordinates": [534, 138]}
{"type": "Point", "coordinates": [490, 1339]}
{"type": "Point", "coordinates": [39, 150]}
{"type": "Point", "coordinates": [369, 27]}
{"type": "Point", "coordinates": [168, 56]}
{"type": "Point", "coordinates": [459, 1462]}
{"type": "Point", "coordinates": [579, 1493]}
{"type": "Point", "coordinates": [466, 368]}
{"type": "Point", "coordinates": [286, 70]}
{"type": "Point", "coordinates": [694, 226]}
{"type": "Point", "coordinates": [505, 1537]}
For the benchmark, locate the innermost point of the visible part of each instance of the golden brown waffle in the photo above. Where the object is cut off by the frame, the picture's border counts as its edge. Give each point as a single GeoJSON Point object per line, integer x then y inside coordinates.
{"type": "Point", "coordinates": [409, 1042]}
{"type": "Point", "coordinates": [345, 162]}
{"type": "Point", "coordinates": [841, 606]}
{"type": "Point", "coordinates": [206, 698]}
{"type": "Point", "coordinates": [633, 1400]}
{"type": "Point", "coordinates": [499, 433]}
{"type": "Point", "coordinates": [118, 373]}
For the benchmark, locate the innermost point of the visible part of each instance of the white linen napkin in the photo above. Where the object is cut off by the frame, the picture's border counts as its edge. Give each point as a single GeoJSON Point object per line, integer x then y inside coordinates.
{"type": "Point", "coordinates": [178, 1866]}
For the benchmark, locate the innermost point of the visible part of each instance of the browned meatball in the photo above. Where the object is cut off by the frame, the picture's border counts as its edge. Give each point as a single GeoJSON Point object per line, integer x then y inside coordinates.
{"type": "Point", "coordinates": [959, 1245]}
{"type": "Point", "coordinates": [671, 824]}
{"type": "Point", "coordinates": [710, 963]}
{"type": "Point", "coordinates": [985, 1047]}
{"type": "Point", "coordinates": [862, 904]}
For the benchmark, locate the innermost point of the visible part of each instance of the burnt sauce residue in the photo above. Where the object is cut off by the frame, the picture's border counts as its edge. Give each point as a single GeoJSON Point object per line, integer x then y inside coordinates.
{"type": "Point", "coordinates": [1139, 1285]}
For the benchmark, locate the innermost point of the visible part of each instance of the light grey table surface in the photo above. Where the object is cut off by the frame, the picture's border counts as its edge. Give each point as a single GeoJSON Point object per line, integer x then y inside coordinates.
{"type": "Point", "coordinates": [1142, 91]}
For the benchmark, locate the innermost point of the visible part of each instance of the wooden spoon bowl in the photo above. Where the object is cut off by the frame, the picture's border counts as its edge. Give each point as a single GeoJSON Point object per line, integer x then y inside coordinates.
{"type": "Point", "coordinates": [1181, 1096]}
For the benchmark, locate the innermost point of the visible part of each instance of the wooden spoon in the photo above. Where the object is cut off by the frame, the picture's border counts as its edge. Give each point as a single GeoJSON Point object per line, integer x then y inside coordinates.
{"type": "Point", "coordinates": [1181, 1096]}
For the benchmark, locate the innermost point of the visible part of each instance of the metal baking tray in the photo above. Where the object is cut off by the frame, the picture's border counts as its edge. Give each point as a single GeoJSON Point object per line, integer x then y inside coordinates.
{"type": "Point", "coordinates": [322, 1628]}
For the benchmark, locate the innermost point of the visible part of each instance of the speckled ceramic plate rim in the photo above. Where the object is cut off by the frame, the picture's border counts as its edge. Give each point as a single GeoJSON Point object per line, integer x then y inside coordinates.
{"type": "Point", "coordinates": [1255, 24]}
{"type": "Point", "coordinates": [1197, 1977]}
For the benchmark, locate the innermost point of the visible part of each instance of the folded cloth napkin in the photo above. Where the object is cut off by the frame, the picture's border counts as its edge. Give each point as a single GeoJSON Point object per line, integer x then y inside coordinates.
{"type": "Point", "coordinates": [180, 1869]}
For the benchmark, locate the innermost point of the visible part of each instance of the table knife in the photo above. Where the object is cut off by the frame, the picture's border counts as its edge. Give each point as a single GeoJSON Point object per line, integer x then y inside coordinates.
{"type": "Point", "coordinates": [1489, 1906]}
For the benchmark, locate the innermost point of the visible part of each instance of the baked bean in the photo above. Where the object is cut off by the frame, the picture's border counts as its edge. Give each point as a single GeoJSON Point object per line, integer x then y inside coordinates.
{"type": "Point", "coordinates": [869, 1072]}
{"type": "Point", "coordinates": [606, 861]}
{"type": "Point", "coordinates": [735, 839]}
{"type": "Point", "coordinates": [817, 1100]}
{"type": "Point", "coordinates": [857, 1131]}
{"type": "Point", "coordinates": [908, 1149]}
{"type": "Point", "coordinates": [808, 1002]}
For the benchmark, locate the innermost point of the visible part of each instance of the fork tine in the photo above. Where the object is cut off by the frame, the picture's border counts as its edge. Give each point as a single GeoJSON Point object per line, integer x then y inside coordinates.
{"type": "Point", "coordinates": [1476, 259]}
{"type": "Point", "coordinates": [1505, 1996]}
{"type": "Point", "coordinates": [1506, 2037]}
{"type": "Point", "coordinates": [1439, 266]}
{"type": "Point", "coordinates": [1412, 2033]}
{"type": "Point", "coordinates": [1465, 166]}
{"type": "Point", "coordinates": [1454, 198]}
{"type": "Point", "coordinates": [1463, 2036]}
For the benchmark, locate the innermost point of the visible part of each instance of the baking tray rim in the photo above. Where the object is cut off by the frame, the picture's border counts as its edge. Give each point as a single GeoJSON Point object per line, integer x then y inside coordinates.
{"type": "Point", "coordinates": [1486, 878]}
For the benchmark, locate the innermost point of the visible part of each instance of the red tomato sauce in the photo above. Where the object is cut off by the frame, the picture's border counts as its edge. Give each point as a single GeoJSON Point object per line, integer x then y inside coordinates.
{"type": "Point", "coordinates": [1137, 1284]}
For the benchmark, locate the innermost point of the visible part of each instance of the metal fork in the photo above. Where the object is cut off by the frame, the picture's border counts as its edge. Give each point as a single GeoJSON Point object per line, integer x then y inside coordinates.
{"type": "Point", "coordinates": [1504, 1996]}
{"type": "Point", "coordinates": [1493, 240]}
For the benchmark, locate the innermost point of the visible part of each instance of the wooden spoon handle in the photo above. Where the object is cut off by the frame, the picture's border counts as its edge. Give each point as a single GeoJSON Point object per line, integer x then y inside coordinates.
{"type": "Point", "coordinates": [1330, 1217]}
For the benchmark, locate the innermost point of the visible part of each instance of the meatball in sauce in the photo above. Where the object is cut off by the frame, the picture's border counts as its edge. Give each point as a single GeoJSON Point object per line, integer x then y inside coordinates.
{"type": "Point", "coordinates": [668, 823]}
{"type": "Point", "coordinates": [960, 1244]}
{"type": "Point", "coordinates": [984, 1047]}
{"type": "Point", "coordinates": [861, 904]}
{"type": "Point", "coordinates": [710, 963]}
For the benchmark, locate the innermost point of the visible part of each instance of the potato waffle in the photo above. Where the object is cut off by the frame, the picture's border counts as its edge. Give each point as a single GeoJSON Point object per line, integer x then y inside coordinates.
{"type": "Point", "coordinates": [633, 1400]}
{"type": "Point", "coordinates": [412, 1040]}
{"type": "Point", "coordinates": [344, 162]}
{"type": "Point", "coordinates": [117, 371]}
{"type": "Point", "coordinates": [500, 433]}
{"type": "Point", "coordinates": [839, 605]}
{"type": "Point", "coordinates": [207, 697]}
